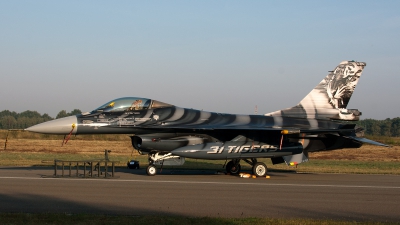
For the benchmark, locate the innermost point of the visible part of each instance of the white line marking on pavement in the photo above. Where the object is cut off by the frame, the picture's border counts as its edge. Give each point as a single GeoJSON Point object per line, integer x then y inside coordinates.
{"type": "Point", "coordinates": [202, 182]}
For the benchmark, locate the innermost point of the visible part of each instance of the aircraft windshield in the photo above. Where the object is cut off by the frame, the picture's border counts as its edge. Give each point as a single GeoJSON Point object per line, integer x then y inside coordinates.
{"type": "Point", "coordinates": [130, 104]}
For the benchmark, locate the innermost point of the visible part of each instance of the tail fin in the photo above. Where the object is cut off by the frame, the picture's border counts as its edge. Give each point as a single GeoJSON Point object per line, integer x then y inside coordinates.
{"type": "Point", "coordinates": [329, 99]}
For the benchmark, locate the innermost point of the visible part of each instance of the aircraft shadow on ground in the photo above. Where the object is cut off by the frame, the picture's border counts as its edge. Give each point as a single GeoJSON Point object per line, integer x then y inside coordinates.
{"type": "Point", "coordinates": [31, 203]}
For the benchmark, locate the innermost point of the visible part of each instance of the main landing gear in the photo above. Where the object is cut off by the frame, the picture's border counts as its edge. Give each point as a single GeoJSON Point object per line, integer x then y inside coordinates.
{"type": "Point", "coordinates": [233, 167]}
{"type": "Point", "coordinates": [259, 169]}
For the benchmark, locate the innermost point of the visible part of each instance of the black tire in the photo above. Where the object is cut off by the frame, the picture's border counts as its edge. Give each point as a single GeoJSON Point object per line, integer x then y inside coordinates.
{"type": "Point", "coordinates": [151, 170]}
{"type": "Point", "coordinates": [232, 169]}
{"type": "Point", "coordinates": [260, 169]}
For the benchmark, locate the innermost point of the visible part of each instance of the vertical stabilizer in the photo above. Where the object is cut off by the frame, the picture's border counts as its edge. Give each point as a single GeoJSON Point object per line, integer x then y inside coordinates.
{"type": "Point", "coordinates": [329, 99]}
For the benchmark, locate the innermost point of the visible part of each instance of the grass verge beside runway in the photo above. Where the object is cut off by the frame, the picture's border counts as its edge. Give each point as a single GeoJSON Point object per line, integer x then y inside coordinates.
{"type": "Point", "coordinates": [31, 151]}
{"type": "Point", "coordinates": [26, 219]}
{"type": "Point", "coordinates": [314, 166]}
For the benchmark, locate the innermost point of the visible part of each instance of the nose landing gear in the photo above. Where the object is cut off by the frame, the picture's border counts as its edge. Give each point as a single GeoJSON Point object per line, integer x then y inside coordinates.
{"type": "Point", "coordinates": [151, 170]}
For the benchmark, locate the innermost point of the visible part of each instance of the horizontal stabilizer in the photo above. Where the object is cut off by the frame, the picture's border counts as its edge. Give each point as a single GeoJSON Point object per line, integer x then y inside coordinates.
{"type": "Point", "coordinates": [368, 141]}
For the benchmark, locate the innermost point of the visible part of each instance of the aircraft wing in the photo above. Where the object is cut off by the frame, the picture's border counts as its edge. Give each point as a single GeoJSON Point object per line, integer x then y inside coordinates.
{"type": "Point", "coordinates": [346, 130]}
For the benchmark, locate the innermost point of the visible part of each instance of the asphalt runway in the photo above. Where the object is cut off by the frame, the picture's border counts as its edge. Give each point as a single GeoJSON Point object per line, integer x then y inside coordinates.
{"type": "Point", "coordinates": [203, 193]}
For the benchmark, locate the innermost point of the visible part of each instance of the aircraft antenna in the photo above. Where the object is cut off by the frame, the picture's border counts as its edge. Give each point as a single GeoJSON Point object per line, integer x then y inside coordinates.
{"type": "Point", "coordinates": [255, 110]}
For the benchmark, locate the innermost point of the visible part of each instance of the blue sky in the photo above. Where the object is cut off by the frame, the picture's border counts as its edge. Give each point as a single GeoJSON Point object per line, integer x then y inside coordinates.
{"type": "Point", "coordinates": [225, 56]}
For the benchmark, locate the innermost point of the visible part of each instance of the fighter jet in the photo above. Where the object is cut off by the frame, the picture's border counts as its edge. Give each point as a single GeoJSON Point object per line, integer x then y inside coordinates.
{"type": "Point", "coordinates": [168, 134]}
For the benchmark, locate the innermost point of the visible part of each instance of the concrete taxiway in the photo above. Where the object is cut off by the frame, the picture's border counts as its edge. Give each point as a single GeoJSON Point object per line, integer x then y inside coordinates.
{"type": "Point", "coordinates": [203, 193]}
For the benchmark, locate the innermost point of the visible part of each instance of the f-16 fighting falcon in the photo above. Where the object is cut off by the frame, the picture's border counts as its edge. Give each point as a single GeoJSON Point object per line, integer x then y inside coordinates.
{"type": "Point", "coordinates": [168, 134]}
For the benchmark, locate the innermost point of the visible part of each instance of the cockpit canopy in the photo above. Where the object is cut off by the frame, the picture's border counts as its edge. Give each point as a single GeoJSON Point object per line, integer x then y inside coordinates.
{"type": "Point", "coordinates": [130, 104]}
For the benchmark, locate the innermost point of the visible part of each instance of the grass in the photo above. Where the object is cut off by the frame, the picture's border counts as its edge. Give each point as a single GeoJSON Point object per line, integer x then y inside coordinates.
{"type": "Point", "coordinates": [30, 149]}
{"type": "Point", "coordinates": [30, 152]}
{"type": "Point", "coordinates": [314, 166]}
{"type": "Point", "coordinates": [26, 219]}
{"type": "Point", "coordinates": [386, 140]}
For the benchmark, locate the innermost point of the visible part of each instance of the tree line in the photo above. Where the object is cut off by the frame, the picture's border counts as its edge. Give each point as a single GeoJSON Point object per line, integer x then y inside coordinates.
{"type": "Point", "coordinates": [388, 127]}
{"type": "Point", "coordinates": [12, 120]}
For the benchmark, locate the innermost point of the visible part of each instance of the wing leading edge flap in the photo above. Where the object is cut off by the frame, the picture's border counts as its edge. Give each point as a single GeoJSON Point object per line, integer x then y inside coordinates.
{"type": "Point", "coordinates": [368, 141]}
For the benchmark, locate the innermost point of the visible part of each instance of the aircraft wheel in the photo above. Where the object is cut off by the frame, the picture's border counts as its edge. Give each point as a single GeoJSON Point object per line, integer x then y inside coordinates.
{"type": "Point", "coordinates": [151, 170]}
{"type": "Point", "coordinates": [260, 169]}
{"type": "Point", "coordinates": [232, 169]}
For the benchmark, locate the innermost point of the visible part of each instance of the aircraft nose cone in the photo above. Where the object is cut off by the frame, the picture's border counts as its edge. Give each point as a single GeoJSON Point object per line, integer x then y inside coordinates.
{"type": "Point", "coordinates": [58, 126]}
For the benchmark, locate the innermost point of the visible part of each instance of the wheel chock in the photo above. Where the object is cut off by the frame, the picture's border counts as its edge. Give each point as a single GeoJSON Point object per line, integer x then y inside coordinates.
{"type": "Point", "coordinates": [245, 175]}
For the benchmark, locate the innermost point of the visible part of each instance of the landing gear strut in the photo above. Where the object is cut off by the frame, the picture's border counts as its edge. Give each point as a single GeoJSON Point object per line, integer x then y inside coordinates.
{"type": "Point", "coordinates": [151, 169]}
